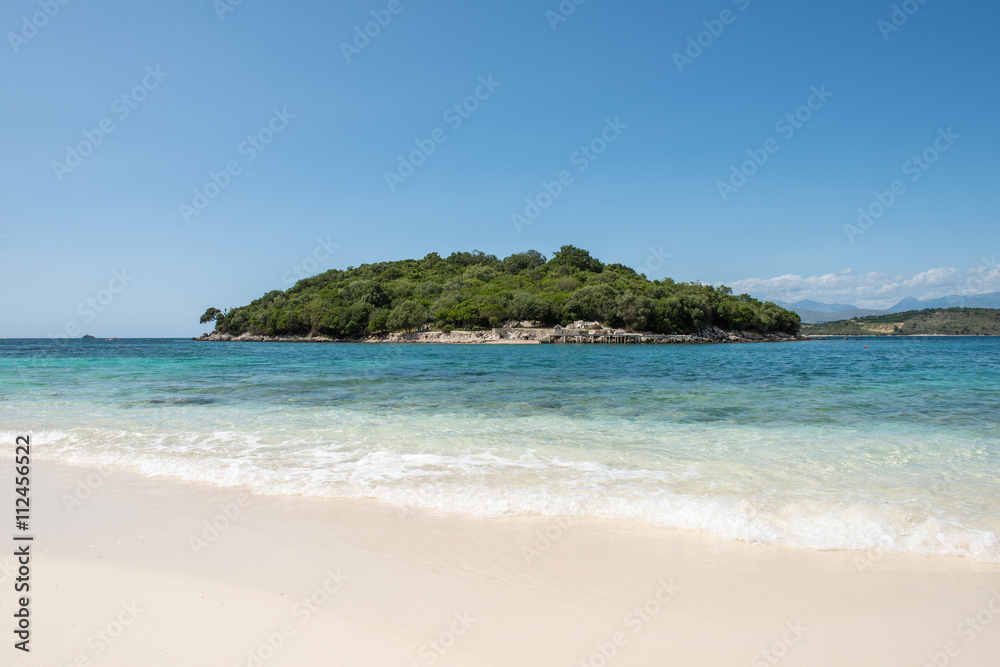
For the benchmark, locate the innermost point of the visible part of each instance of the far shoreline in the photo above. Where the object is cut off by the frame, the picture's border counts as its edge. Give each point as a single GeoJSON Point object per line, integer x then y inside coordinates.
{"type": "Point", "coordinates": [860, 336]}
{"type": "Point", "coordinates": [506, 336]}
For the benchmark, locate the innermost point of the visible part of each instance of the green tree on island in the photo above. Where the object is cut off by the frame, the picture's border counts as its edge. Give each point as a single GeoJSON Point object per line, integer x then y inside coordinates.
{"type": "Point", "coordinates": [474, 290]}
{"type": "Point", "coordinates": [213, 314]}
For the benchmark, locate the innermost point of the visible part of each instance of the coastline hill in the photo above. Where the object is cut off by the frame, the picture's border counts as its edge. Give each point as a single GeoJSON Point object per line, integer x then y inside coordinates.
{"type": "Point", "coordinates": [477, 291]}
{"type": "Point", "coordinates": [926, 322]}
{"type": "Point", "coordinates": [817, 312]}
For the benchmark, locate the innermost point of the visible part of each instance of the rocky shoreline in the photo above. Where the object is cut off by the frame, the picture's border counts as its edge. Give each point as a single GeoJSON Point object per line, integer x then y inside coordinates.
{"type": "Point", "coordinates": [502, 336]}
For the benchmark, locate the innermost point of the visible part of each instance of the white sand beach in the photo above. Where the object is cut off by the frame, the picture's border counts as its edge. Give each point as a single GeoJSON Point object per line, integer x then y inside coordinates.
{"type": "Point", "coordinates": [128, 570]}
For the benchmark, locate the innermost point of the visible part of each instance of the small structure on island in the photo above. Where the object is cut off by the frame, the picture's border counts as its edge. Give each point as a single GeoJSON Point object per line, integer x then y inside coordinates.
{"type": "Point", "coordinates": [595, 333]}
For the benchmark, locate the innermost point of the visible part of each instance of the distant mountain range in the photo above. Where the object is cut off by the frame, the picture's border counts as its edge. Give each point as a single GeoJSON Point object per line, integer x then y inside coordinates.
{"type": "Point", "coordinates": [816, 312]}
{"type": "Point", "coordinates": [926, 322]}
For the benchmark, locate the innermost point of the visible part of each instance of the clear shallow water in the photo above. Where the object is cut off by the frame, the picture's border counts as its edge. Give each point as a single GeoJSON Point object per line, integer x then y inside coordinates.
{"type": "Point", "coordinates": [821, 444]}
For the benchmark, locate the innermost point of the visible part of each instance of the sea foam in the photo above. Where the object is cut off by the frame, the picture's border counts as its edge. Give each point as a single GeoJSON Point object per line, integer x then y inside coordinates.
{"type": "Point", "coordinates": [485, 484]}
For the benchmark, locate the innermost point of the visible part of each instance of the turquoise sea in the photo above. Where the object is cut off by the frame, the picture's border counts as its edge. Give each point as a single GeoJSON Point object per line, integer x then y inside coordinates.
{"type": "Point", "coordinates": [819, 444]}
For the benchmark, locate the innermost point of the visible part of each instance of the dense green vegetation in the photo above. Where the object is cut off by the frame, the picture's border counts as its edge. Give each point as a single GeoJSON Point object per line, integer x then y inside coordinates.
{"type": "Point", "coordinates": [476, 290]}
{"type": "Point", "coordinates": [931, 321]}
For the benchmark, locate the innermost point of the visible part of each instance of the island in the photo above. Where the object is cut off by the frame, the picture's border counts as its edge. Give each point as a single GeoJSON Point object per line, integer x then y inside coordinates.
{"type": "Point", "coordinates": [925, 322]}
{"type": "Point", "coordinates": [474, 297]}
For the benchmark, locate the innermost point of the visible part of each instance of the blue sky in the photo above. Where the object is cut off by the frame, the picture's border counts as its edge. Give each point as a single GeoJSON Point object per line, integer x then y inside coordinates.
{"type": "Point", "coordinates": [203, 82]}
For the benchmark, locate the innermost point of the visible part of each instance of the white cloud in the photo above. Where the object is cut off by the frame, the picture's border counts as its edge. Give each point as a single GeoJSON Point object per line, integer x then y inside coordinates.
{"type": "Point", "coordinates": [875, 289]}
